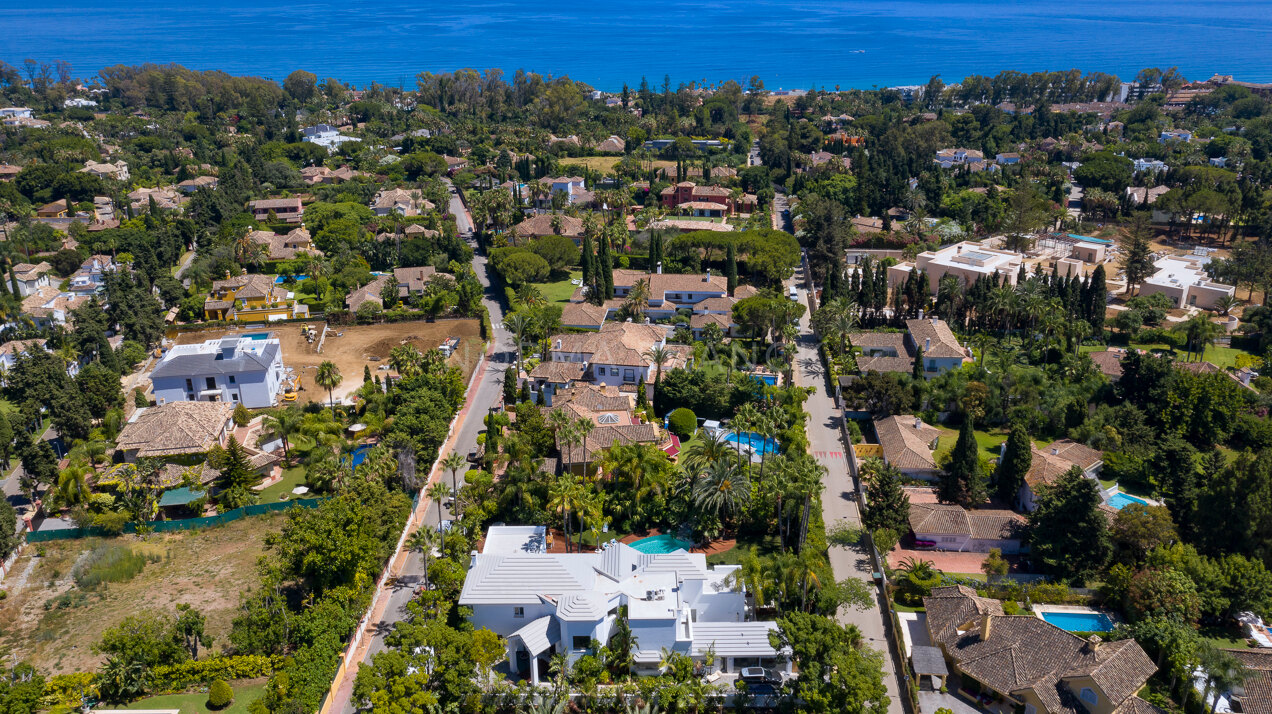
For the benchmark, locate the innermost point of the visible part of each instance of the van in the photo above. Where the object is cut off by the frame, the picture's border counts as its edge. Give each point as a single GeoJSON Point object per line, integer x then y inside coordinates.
{"type": "Point", "coordinates": [794, 294]}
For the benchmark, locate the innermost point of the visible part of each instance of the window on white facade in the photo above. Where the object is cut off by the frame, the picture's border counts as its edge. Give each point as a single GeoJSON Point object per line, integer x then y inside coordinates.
{"type": "Point", "coordinates": [231, 379]}
{"type": "Point", "coordinates": [581, 642]}
{"type": "Point", "coordinates": [518, 612]}
{"type": "Point", "coordinates": [613, 371]}
{"type": "Point", "coordinates": [949, 539]}
{"type": "Point", "coordinates": [1089, 696]}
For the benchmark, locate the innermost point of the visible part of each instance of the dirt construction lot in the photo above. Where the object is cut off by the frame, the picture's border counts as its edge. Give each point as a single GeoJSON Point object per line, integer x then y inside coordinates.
{"type": "Point", "coordinates": [353, 347]}
{"type": "Point", "coordinates": [207, 569]}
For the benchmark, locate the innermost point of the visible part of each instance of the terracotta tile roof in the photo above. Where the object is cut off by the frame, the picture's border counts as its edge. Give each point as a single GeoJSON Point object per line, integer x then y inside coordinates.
{"type": "Point", "coordinates": [17, 347]}
{"type": "Point", "coordinates": [906, 446]}
{"type": "Point", "coordinates": [1109, 362]}
{"type": "Point", "coordinates": [944, 344]}
{"type": "Point", "coordinates": [413, 280]}
{"type": "Point", "coordinates": [369, 292]}
{"type": "Point", "coordinates": [27, 271]}
{"type": "Point", "coordinates": [618, 343]}
{"type": "Point", "coordinates": [416, 229]}
{"type": "Point", "coordinates": [583, 314]}
{"type": "Point", "coordinates": [176, 428]}
{"type": "Point", "coordinates": [945, 519]}
{"type": "Point", "coordinates": [1135, 705]}
{"type": "Point", "coordinates": [557, 372]}
{"type": "Point", "coordinates": [698, 322]}
{"type": "Point", "coordinates": [1258, 688]}
{"type": "Point", "coordinates": [1027, 653]}
{"type": "Point", "coordinates": [541, 225]}
{"type": "Point", "coordinates": [1077, 453]}
{"type": "Point", "coordinates": [1046, 468]}
{"type": "Point", "coordinates": [661, 284]}
{"type": "Point", "coordinates": [272, 203]}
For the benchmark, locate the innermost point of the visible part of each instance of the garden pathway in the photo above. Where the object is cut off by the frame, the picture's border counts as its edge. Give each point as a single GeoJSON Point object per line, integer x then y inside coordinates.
{"type": "Point", "coordinates": [838, 500]}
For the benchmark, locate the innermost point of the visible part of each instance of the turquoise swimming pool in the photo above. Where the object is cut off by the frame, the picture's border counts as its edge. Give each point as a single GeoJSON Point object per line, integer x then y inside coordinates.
{"type": "Point", "coordinates": [758, 443]}
{"type": "Point", "coordinates": [1121, 500]}
{"type": "Point", "coordinates": [655, 545]}
{"type": "Point", "coordinates": [1079, 621]}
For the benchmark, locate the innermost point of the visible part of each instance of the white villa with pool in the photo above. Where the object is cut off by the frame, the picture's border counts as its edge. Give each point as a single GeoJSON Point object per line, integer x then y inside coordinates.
{"type": "Point", "coordinates": [549, 603]}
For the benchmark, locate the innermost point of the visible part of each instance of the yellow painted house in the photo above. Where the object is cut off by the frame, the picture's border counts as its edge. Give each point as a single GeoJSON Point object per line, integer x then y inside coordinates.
{"type": "Point", "coordinates": [250, 298]}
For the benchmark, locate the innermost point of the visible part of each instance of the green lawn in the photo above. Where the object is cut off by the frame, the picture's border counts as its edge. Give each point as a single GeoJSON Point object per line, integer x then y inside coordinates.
{"type": "Point", "coordinates": [196, 702]}
{"type": "Point", "coordinates": [562, 290]}
{"type": "Point", "coordinates": [764, 545]}
{"type": "Point", "coordinates": [1223, 357]}
{"type": "Point", "coordinates": [907, 608]}
{"type": "Point", "coordinates": [1231, 637]}
{"type": "Point", "coordinates": [292, 477]}
{"type": "Point", "coordinates": [990, 442]}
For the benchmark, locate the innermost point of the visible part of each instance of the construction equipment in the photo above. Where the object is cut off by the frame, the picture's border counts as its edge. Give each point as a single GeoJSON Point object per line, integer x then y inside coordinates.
{"type": "Point", "coordinates": [289, 396]}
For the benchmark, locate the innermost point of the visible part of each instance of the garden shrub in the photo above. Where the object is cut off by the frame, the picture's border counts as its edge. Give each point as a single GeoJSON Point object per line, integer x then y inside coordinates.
{"type": "Point", "coordinates": [191, 672]}
{"type": "Point", "coordinates": [220, 695]}
{"type": "Point", "coordinates": [112, 523]}
{"type": "Point", "coordinates": [683, 423]}
{"type": "Point", "coordinates": [66, 690]}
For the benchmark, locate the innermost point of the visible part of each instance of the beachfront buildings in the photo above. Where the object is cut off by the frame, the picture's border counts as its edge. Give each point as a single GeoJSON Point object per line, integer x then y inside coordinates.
{"type": "Point", "coordinates": [1182, 279]}
{"type": "Point", "coordinates": [239, 370]}
{"type": "Point", "coordinates": [546, 603]}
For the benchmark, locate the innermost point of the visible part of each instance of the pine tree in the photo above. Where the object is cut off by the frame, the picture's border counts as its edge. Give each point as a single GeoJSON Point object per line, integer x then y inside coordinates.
{"type": "Point", "coordinates": [963, 482]}
{"type": "Point", "coordinates": [236, 477]}
{"type": "Point", "coordinates": [888, 507]}
{"type": "Point", "coordinates": [1137, 251]}
{"type": "Point", "coordinates": [731, 267]}
{"type": "Point", "coordinates": [1009, 477]}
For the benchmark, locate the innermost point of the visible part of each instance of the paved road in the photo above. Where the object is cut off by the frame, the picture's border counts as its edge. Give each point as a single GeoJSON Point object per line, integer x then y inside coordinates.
{"type": "Point", "coordinates": [485, 392]}
{"type": "Point", "coordinates": [838, 501]}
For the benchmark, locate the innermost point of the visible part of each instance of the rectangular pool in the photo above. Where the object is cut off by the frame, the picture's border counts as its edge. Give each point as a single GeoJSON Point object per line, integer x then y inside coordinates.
{"type": "Point", "coordinates": [1079, 621]}
{"type": "Point", "coordinates": [1121, 500]}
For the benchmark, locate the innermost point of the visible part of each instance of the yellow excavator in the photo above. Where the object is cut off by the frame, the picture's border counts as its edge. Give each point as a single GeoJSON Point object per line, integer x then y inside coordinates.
{"type": "Point", "coordinates": [290, 394]}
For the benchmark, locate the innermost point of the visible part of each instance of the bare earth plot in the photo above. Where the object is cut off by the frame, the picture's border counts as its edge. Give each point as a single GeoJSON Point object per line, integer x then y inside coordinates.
{"type": "Point", "coordinates": [207, 569]}
{"type": "Point", "coordinates": [353, 347]}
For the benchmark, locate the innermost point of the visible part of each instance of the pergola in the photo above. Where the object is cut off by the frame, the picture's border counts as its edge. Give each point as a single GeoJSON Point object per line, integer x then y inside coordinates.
{"type": "Point", "coordinates": [930, 661]}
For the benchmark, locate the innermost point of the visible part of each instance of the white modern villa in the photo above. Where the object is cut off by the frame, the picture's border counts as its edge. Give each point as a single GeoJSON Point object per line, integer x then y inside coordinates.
{"type": "Point", "coordinates": [247, 370]}
{"type": "Point", "coordinates": [549, 603]}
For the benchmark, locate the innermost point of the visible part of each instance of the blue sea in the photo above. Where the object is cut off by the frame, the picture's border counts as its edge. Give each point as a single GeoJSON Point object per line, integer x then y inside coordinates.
{"type": "Point", "coordinates": [792, 44]}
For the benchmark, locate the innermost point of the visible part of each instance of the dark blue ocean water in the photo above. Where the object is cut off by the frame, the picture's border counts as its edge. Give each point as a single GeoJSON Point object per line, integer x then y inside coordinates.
{"type": "Point", "coordinates": [789, 43]}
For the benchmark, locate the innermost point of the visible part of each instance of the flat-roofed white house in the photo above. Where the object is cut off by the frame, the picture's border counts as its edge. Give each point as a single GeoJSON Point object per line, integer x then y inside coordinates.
{"type": "Point", "coordinates": [554, 603]}
{"type": "Point", "coordinates": [966, 261]}
{"type": "Point", "coordinates": [1182, 279]}
{"type": "Point", "coordinates": [230, 369]}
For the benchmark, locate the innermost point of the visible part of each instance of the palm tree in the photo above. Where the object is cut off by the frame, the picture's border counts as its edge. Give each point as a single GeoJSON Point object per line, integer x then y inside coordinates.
{"type": "Point", "coordinates": [329, 378]}
{"type": "Point", "coordinates": [584, 427]}
{"type": "Point", "coordinates": [1200, 333]}
{"type": "Point", "coordinates": [565, 494]}
{"type": "Point", "coordinates": [423, 541]}
{"type": "Point", "coordinates": [1079, 330]}
{"type": "Point", "coordinates": [1225, 304]}
{"type": "Point", "coordinates": [519, 324]}
{"type": "Point", "coordinates": [640, 465]}
{"type": "Point", "coordinates": [557, 420]}
{"type": "Point", "coordinates": [72, 485]}
{"type": "Point", "coordinates": [724, 490]}
{"type": "Point", "coordinates": [406, 360]}
{"type": "Point", "coordinates": [453, 462]}
{"type": "Point", "coordinates": [438, 493]}
{"type": "Point", "coordinates": [807, 567]}
{"type": "Point", "coordinates": [284, 424]}
{"type": "Point", "coordinates": [637, 298]}
{"type": "Point", "coordinates": [658, 356]}
{"type": "Point", "coordinates": [707, 450]}
{"type": "Point", "coordinates": [745, 419]}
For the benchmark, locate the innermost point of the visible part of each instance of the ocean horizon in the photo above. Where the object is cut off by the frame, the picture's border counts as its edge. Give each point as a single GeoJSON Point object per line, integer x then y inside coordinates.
{"type": "Point", "coordinates": [790, 44]}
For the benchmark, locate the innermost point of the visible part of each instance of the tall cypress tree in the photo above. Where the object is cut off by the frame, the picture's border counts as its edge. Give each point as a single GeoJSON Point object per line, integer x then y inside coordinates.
{"type": "Point", "coordinates": [888, 505]}
{"type": "Point", "coordinates": [588, 261]}
{"type": "Point", "coordinates": [963, 482]}
{"type": "Point", "coordinates": [605, 269]}
{"type": "Point", "coordinates": [1017, 458]}
{"type": "Point", "coordinates": [1098, 295]}
{"type": "Point", "coordinates": [917, 371]}
{"type": "Point", "coordinates": [731, 267]}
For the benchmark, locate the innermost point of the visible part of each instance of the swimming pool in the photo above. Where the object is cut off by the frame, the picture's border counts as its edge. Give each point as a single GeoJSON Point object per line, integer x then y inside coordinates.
{"type": "Point", "coordinates": [769, 379]}
{"type": "Point", "coordinates": [655, 545]}
{"type": "Point", "coordinates": [255, 335]}
{"type": "Point", "coordinates": [281, 279]}
{"type": "Point", "coordinates": [1079, 621]}
{"type": "Point", "coordinates": [358, 455]}
{"type": "Point", "coordinates": [1121, 500]}
{"type": "Point", "coordinates": [757, 443]}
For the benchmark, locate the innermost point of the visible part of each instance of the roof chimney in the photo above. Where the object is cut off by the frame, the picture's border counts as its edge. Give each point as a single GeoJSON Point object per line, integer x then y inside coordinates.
{"type": "Point", "coordinates": [558, 344]}
{"type": "Point", "coordinates": [1055, 451]}
{"type": "Point", "coordinates": [472, 558]}
{"type": "Point", "coordinates": [658, 270]}
{"type": "Point", "coordinates": [1093, 644]}
{"type": "Point", "coordinates": [986, 626]}
{"type": "Point", "coordinates": [918, 422]}
{"type": "Point", "coordinates": [927, 344]}
{"type": "Point", "coordinates": [707, 279]}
